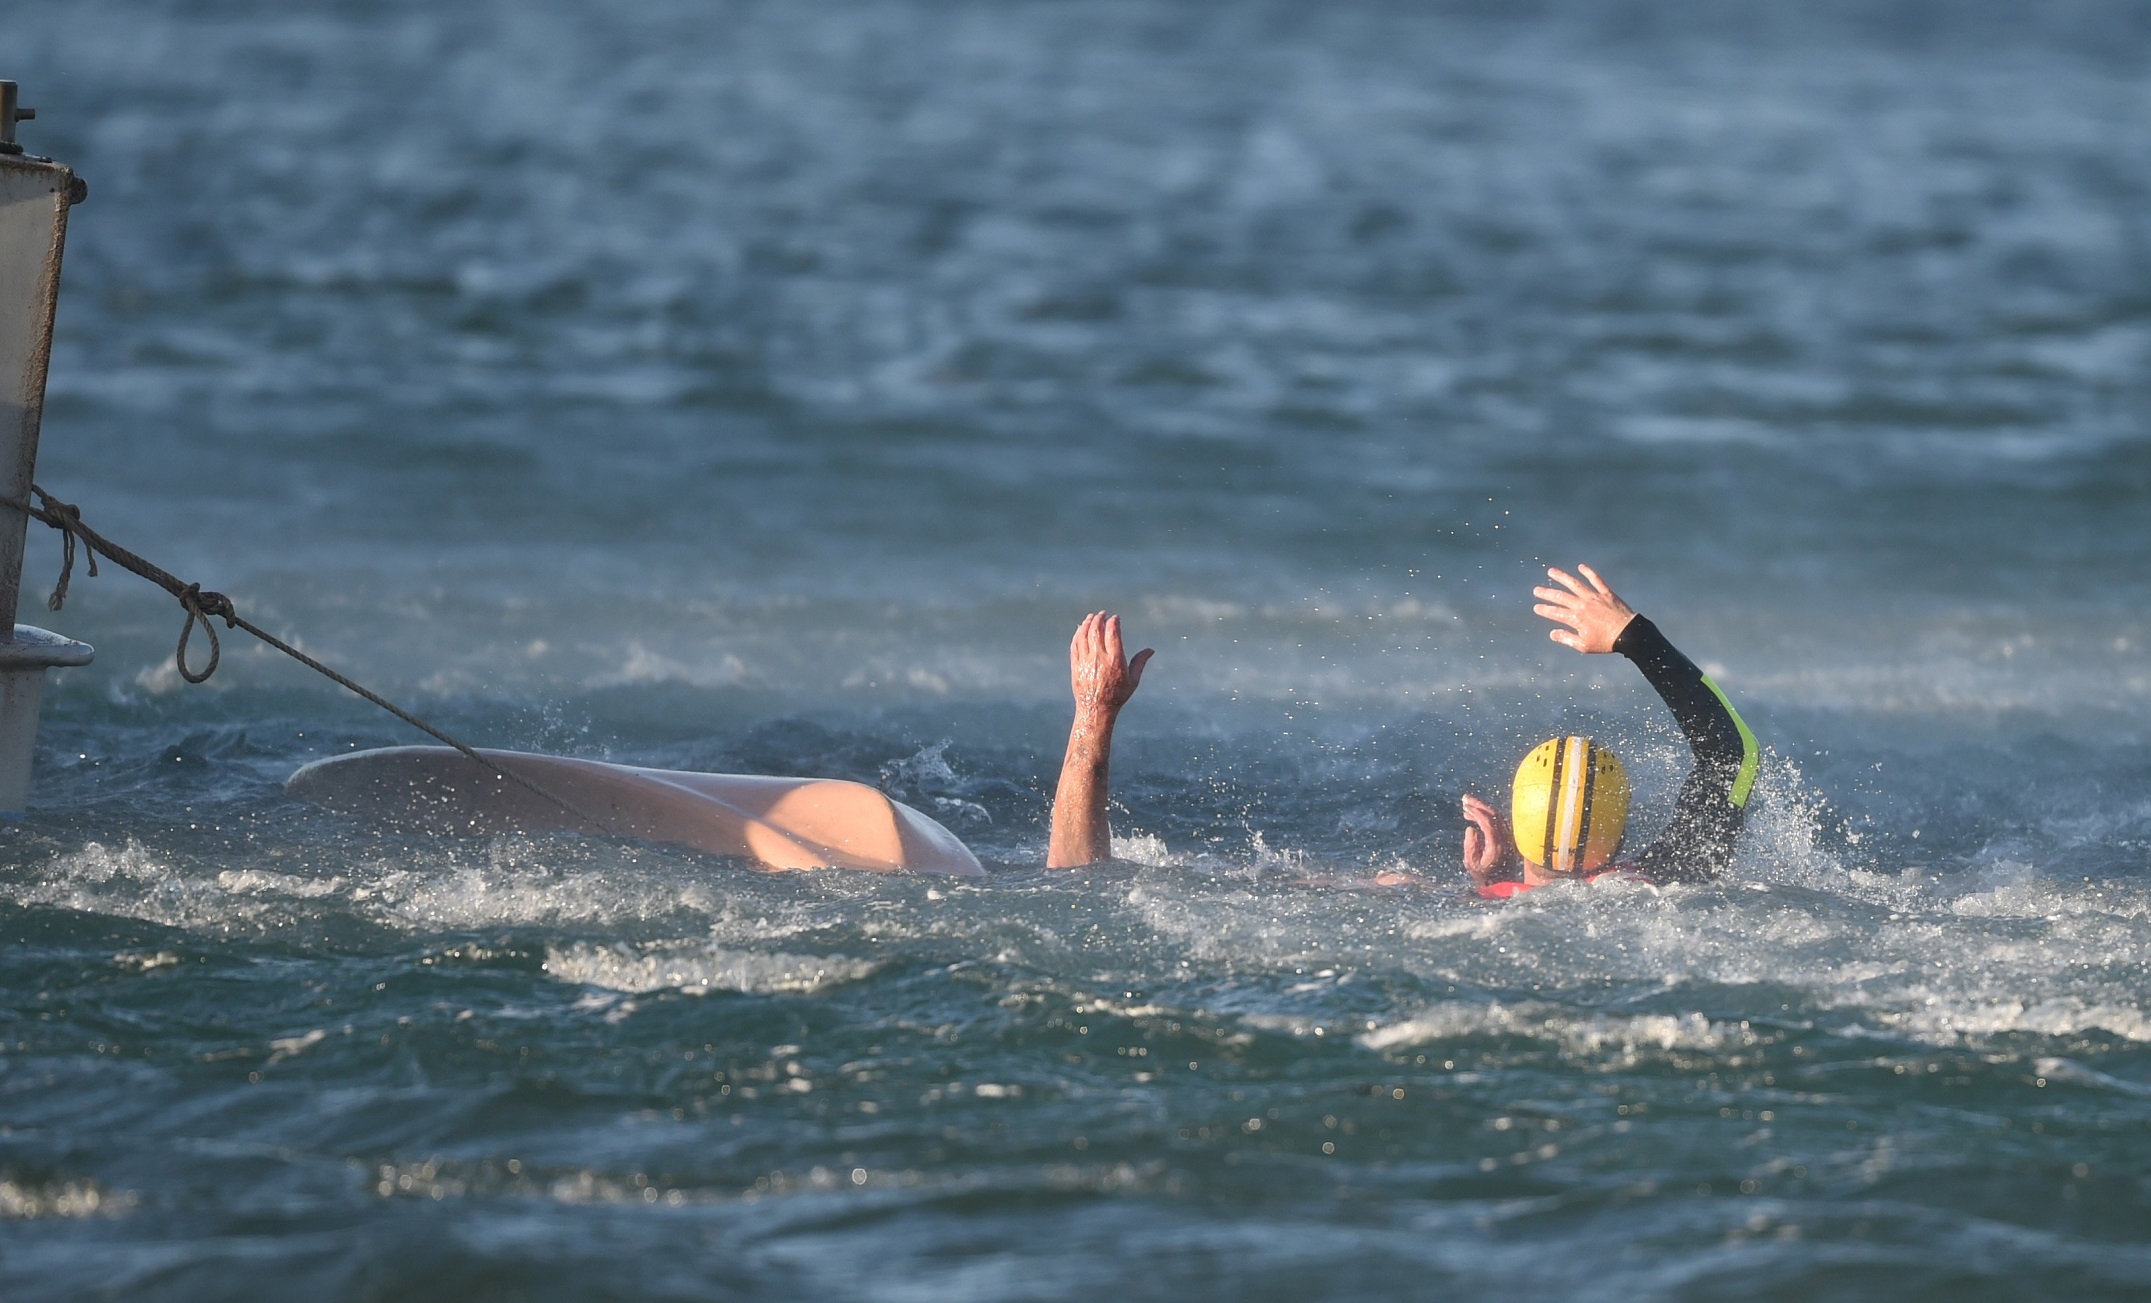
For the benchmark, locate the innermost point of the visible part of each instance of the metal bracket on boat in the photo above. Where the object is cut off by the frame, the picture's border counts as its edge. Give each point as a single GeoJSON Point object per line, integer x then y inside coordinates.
{"type": "Point", "coordinates": [24, 658]}
{"type": "Point", "coordinates": [12, 111]}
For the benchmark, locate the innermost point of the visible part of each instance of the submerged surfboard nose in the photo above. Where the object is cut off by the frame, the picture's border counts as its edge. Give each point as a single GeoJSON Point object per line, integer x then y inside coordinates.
{"type": "Point", "coordinates": [783, 823]}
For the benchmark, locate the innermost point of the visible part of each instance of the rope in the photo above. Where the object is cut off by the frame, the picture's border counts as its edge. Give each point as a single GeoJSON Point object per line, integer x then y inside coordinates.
{"type": "Point", "coordinates": [202, 607]}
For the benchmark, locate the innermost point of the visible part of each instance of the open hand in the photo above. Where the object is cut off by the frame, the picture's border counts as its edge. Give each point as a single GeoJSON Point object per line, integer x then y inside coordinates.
{"type": "Point", "coordinates": [1099, 670]}
{"type": "Point", "coordinates": [1595, 614]}
{"type": "Point", "coordinates": [1486, 841]}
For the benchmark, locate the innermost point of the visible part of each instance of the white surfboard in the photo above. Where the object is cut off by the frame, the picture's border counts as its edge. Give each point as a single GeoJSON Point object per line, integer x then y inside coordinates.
{"type": "Point", "coordinates": [784, 823]}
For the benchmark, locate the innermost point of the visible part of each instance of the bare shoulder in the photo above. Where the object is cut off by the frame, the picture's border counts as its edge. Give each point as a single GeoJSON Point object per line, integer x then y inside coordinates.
{"type": "Point", "coordinates": [783, 823]}
{"type": "Point", "coordinates": [808, 823]}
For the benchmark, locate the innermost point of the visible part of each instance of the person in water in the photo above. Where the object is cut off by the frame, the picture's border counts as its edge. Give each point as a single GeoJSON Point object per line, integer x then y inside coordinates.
{"type": "Point", "coordinates": [1570, 801]}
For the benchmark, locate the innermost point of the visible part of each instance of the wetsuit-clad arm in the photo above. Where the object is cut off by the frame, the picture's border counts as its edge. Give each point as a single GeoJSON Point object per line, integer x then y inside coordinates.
{"type": "Point", "coordinates": [1713, 803]}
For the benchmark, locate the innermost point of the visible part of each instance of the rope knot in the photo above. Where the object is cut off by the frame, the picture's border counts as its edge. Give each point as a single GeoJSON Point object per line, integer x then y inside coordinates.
{"type": "Point", "coordinates": [216, 604]}
{"type": "Point", "coordinates": [67, 518]}
{"type": "Point", "coordinates": [200, 606]}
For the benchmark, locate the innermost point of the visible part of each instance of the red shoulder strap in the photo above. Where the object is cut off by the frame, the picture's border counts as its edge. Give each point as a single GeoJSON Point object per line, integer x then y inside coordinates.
{"type": "Point", "coordinates": [1503, 890]}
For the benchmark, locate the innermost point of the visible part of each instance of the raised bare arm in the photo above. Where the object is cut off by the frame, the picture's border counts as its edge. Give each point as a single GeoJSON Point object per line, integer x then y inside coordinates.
{"type": "Point", "coordinates": [1103, 678]}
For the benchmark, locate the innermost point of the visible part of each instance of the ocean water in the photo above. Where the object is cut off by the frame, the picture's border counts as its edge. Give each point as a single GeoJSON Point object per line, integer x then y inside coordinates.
{"type": "Point", "coordinates": [769, 388]}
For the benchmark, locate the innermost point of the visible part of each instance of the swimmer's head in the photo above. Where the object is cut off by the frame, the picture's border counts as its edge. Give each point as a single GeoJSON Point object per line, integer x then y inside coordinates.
{"type": "Point", "coordinates": [1570, 805]}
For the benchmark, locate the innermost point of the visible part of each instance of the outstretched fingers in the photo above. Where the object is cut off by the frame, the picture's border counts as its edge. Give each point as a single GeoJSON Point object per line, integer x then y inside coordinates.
{"type": "Point", "coordinates": [1593, 613]}
{"type": "Point", "coordinates": [1569, 581]}
{"type": "Point", "coordinates": [1570, 615]}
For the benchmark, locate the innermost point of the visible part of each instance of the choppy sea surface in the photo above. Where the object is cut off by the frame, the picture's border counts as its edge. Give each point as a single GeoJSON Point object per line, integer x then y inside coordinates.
{"type": "Point", "coordinates": [769, 388]}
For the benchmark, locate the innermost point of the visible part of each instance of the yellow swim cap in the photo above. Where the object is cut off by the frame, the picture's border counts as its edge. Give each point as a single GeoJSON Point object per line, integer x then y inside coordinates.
{"type": "Point", "coordinates": [1570, 805]}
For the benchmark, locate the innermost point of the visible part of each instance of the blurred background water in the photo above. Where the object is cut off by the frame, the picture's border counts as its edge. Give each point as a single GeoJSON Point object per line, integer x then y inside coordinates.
{"type": "Point", "coordinates": [769, 388]}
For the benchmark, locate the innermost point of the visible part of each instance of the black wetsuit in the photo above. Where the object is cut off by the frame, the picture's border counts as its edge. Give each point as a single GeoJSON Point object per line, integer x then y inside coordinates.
{"type": "Point", "coordinates": [1713, 803]}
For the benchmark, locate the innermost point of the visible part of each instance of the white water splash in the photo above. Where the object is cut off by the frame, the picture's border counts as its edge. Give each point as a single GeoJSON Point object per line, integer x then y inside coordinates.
{"type": "Point", "coordinates": [680, 966]}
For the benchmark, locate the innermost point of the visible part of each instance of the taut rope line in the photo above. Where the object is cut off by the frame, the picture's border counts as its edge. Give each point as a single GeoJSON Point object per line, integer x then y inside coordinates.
{"type": "Point", "coordinates": [202, 606]}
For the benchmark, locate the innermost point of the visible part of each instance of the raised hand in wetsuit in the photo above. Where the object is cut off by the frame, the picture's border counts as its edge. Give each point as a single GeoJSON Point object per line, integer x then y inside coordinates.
{"type": "Point", "coordinates": [1104, 678]}
{"type": "Point", "coordinates": [1698, 841]}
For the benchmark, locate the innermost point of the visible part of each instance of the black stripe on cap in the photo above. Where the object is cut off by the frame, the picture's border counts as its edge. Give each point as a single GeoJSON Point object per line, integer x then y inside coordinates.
{"type": "Point", "coordinates": [1590, 786]}
{"type": "Point", "coordinates": [1553, 806]}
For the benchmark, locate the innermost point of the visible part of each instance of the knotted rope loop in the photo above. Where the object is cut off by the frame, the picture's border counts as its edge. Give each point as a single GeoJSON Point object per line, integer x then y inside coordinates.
{"type": "Point", "coordinates": [67, 518]}
{"type": "Point", "coordinates": [199, 604]}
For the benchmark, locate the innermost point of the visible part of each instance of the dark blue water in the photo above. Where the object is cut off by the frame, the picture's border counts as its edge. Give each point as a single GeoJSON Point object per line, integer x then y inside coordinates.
{"type": "Point", "coordinates": [769, 388]}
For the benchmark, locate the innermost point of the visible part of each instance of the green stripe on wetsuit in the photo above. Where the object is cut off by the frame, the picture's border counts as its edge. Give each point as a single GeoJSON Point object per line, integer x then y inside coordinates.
{"type": "Point", "coordinates": [1750, 753]}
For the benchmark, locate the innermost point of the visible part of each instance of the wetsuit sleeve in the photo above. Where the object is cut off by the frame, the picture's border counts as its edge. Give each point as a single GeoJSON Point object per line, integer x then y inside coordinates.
{"type": "Point", "coordinates": [1713, 803]}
